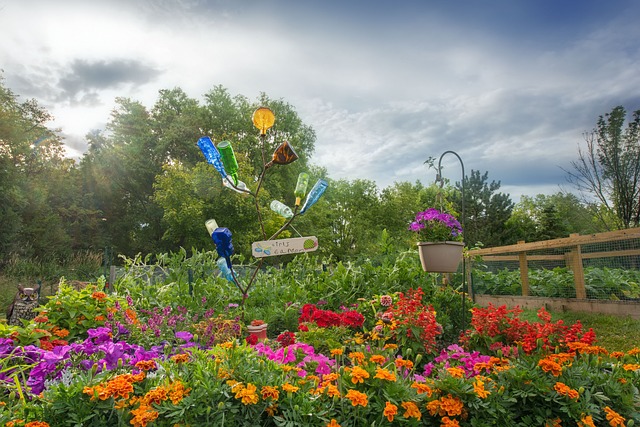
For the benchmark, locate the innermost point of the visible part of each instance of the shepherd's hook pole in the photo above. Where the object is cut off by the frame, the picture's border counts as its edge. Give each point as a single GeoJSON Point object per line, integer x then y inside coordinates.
{"type": "Point", "coordinates": [464, 264]}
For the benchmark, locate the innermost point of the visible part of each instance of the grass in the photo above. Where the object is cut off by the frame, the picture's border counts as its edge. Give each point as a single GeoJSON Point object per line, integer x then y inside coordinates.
{"type": "Point", "coordinates": [615, 333]}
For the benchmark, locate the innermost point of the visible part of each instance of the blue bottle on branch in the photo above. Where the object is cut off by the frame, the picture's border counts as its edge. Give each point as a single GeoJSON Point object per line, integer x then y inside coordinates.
{"type": "Point", "coordinates": [212, 155]}
{"type": "Point", "coordinates": [222, 238]}
{"type": "Point", "coordinates": [314, 195]}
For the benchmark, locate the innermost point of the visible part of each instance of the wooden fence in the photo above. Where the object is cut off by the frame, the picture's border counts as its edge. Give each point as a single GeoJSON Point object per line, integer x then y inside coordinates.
{"type": "Point", "coordinates": [572, 257]}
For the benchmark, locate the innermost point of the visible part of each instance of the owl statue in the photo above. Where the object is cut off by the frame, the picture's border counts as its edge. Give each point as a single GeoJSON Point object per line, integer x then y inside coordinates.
{"type": "Point", "coordinates": [22, 306]}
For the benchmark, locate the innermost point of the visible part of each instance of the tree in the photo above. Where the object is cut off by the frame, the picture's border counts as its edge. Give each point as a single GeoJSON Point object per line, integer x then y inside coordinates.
{"type": "Point", "coordinates": [609, 169]}
{"type": "Point", "coordinates": [485, 211]}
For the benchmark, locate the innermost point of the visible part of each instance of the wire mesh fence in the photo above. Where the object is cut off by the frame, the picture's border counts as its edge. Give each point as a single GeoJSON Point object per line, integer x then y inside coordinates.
{"type": "Point", "coordinates": [600, 266]}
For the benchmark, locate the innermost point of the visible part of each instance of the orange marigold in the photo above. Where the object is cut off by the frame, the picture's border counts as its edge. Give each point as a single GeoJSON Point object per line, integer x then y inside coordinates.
{"type": "Point", "coordinates": [403, 363]}
{"type": "Point", "coordinates": [556, 422]}
{"type": "Point", "coordinates": [378, 359]}
{"type": "Point", "coordinates": [478, 387]}
{"type": "Point", "coordinates": [411, 410]}
{"type": "Point", "coordinates": [100, 296]}
{"type": "Point", "coordinates": [146, 365]}
{"type": "Point", "coordinates": [565, 390]}
{"type": "Point", "coordinates": [336, 351]}
{"type": "Point", "coordinates": [422, 388]}
{"type": "Point", "coordinates": [451, 405]}
{"type": "Point", "coordinates": [384, 374]}
{"type": "Point", "coordinates": [615, 419]}
{"type": "Point", "coordinates": [390, 410]}
{"type": "Point", "coordinates": [333, 423]}
{"type": "Point", "coordinates": [456, 372]}
{"type": "Point", "coordinates": [143, 415]}
{"type": "Point", "coordinates": [449, 422]}
{"type": "Point", "coordinates": [357, 398]}
{"type": "Point", "coordinates": [550, 366]}
{"type": "Point", "coordinates": [586, 422]}
{"type": "Point", "coordinates": [289, 388]}
{"type": "Point", "coordinates": [268, 391]}
{"type": "Point", "coordinates": [357, 356]}
{"type": "Point", "coordinates": [180, 358]}
{"type": "Point", "coordinates": [358, 375]}
{"type": "Point", "coordinates": [36, 424]}
{"type": "Point", "coordinates": [631, 366]}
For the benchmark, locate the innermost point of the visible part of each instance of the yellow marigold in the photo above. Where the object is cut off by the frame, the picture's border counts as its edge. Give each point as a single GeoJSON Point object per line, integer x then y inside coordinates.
{"type": "Point", "coordinates": [565, 390]}
{"type": "Point", "coordinates": [226, 345]}
{"type": "Point", "coordinates": [289, 388]}
{"type": "Point", "coordinates": [422, 388]}
{"type": "Point", "coordinates": [384, 374]}
{"type": "Point", "coordinates": [314, 378]}
{"type": "Point", "coordinates": [143, 415]}
{"type": "Point", "coordinates": [411, 410]}
{"type": "Point", "coordinates": [391, 346]}
{"type": "Point", "coordinates": [449, 422]}
{"type": "Point", "coordinates": [631, 366]}
{"type": "Point", "coordinates": [356, 356]}
{"type": "Point", "coordinates": [403, 363]}
{"type": "Point", "coordinates": [357, 398]}
{"type": "Point", "coordinates": [478, 387]}
{"type": "Point", "coordinates": [180, 358]}
{"type": "Point", "coordinates": [615, 419]}
{"type": "Point", "coordinates": [268, 391]}
{"type": "Point", "coordinates": [456, 372]}
{"type": "Point", "coordinates": [586, 421]}
{"type": "Point", "coordinates": [337, 351]}
{"type": "Point", "coordinates": [556, 422]}
{"type": "Point", "coordinates": [358, 375]}
{"type": "Point", "coordinates": [451, 405]}
{"type": "Point", "coordinates": [36, 424]}
{"type": "Point", "coordinates": [378, 359]}
{"type": "Point", "coordinates": [272, 409]}
{"type": "Point", "coordinates": [247, 394]}
{"type": "Point", "coordinates": [120, 404]}
{"type": "Point", "coordinates": [146, 365]}
{"type": "Point", "coordinates": [550, 366]}
{"type": "Point", "coordinates": [333, 423]}
{"type": "Point", "coordinates": [390, 410]}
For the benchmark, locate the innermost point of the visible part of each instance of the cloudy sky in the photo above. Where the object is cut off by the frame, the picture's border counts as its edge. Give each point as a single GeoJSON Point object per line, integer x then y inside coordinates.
{"type": "Point", "coordinates": [510, 86]}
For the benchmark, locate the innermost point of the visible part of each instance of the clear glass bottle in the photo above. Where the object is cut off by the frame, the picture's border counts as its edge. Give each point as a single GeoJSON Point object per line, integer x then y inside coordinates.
{"type": "Point", "coordinates": [281, 209]}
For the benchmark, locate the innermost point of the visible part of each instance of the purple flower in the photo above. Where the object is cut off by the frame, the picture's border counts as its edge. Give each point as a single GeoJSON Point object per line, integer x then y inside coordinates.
{"type": "Point", "coordinates": [184, 335]}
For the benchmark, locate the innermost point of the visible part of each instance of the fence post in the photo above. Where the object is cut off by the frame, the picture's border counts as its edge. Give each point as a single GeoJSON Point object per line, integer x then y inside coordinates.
{"type": "Point", "coordinates": [574, 262]}
{"type": "Point", "coordinates": [524, 271]}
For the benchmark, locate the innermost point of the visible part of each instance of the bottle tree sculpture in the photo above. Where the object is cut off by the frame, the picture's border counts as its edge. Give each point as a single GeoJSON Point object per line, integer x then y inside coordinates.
{"type": "Point", "coordinates": [223, 159]}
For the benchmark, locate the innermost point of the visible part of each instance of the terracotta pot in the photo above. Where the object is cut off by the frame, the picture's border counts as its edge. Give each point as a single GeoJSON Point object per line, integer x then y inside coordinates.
{"type": "Point", "coordinates": [440, 257]}
{"type": "Point", "coordinates": [259, 331]}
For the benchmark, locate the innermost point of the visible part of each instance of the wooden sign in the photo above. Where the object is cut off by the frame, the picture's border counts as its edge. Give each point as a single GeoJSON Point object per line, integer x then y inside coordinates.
{"type": "Point", "coordinates": [296, 245]}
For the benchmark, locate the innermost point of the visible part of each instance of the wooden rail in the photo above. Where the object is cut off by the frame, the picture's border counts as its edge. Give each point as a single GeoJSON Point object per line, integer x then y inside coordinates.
{"type": "Point", "coordinates": [573, 258]}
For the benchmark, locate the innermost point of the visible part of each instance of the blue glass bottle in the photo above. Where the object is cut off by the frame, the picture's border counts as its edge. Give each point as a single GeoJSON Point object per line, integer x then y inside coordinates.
{"type": "Point", "coordinates": [222, 238]}
{"type": "Point", "coordinates": [212, 155]}
{"type": "Point", "coordinates": [315, 193]}
{"type": "Point", "coordinates": [224, 269]}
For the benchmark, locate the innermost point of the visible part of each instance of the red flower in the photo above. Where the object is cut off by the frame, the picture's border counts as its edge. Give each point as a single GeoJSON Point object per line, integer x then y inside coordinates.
{"type": "Point", "coordinates": [252, 339]}
{"type": "Point", "coordinates": [352, 318]}
{"type": "Point", "coordinates": [286, 339]}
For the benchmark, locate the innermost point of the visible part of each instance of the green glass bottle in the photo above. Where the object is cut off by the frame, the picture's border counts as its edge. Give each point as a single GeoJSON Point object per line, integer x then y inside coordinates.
{"type": "Point", "coordinates": [301, 187]}
{"type": "Point", "coordinates": [229, 160]}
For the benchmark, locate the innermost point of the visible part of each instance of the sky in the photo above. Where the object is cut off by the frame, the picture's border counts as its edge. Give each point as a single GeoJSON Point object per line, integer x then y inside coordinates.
{"type": "Point", "coordinates": [510, 86]}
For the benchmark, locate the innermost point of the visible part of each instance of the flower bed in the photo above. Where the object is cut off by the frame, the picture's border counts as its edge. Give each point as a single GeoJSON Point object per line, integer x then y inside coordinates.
{"type": "Point", "coordinates": [379, 363]}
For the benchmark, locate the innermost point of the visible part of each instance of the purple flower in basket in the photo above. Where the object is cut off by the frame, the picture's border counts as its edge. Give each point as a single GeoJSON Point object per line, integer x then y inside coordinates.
{"type": "Point", "coordinates": [433, 225]}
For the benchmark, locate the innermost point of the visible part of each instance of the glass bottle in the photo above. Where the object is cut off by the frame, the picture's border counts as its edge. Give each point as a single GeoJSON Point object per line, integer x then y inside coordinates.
{"type": "Point", "coordinates": [283, 155]}
{"type": "Point", "coordinates": [224, 269]}
{"type": "Point", "coordinates": [229, 160]}
{"type": "Point", "coordinates": [211, 154]}
{"type": "Point", "coordinates": [211, 225]}
{"type": "Point", "coordinates": [281, 209]}
{"type": "Point", "coordinates": [301, 187]}
{"type": "Point", "coordinates": [314, 194]}
{"type": "Point", "coordinates": [222, 238]}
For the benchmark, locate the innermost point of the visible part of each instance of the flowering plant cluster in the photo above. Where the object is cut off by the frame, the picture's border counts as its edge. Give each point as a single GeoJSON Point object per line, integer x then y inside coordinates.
{"type": "Point", "coordinates": [110, 379]}
{"type": "Point", "coordinates": [500, 329]}
{"type": "Point", "coordinates": [310, 313]}
{"type": "Point", "coordinates": [433, 225]}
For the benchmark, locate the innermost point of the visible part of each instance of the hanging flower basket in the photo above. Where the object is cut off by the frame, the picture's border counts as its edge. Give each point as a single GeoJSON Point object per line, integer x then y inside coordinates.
{"type": "Point", "coordinates": [440, 257]}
